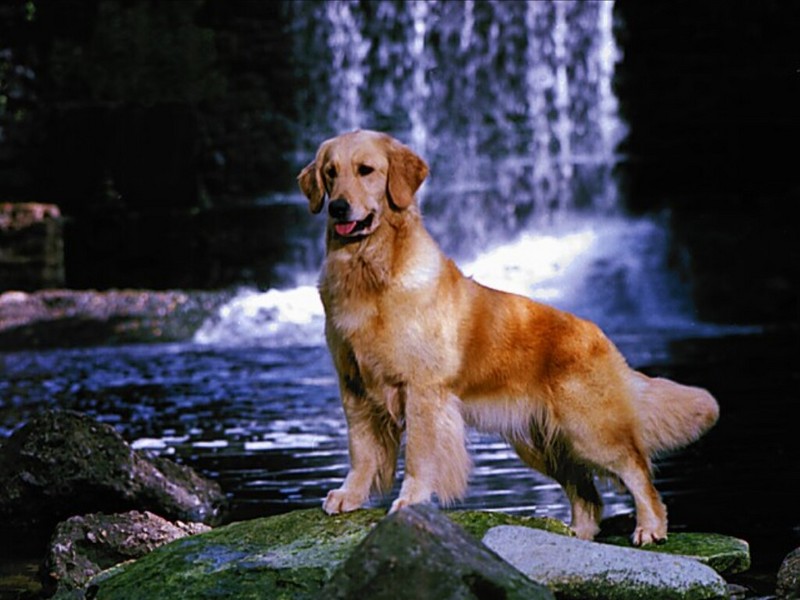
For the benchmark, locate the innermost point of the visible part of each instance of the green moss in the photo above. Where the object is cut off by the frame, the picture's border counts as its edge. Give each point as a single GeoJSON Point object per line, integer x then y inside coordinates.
{"type": "Point", "coordinates": [285, 556]}
{"type": "Point", "coordinates": [478, 522]}
{"type": "Point", "coordinates": [724, 554]}
{"type": "Point", "coordinates": [291, 556]}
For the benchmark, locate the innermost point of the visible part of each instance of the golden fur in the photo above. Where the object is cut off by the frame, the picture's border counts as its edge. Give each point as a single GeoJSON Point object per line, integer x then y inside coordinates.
{"type": "Point", "coordinates": [421, 349]}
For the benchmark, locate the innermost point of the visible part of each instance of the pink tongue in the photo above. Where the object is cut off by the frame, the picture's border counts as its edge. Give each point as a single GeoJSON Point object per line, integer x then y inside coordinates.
{"type": "Point", "coordinates": [345, 228]}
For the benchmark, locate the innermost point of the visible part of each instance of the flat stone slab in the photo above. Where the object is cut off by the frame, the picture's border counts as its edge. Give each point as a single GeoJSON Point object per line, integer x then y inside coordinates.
{"type": "Point", "coordinates": [725, 554]}
{"type": "Point", "coordinates": [583, 570]}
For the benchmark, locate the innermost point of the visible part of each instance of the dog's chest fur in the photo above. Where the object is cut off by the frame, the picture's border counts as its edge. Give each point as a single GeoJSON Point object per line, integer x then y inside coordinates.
{"type": "Point", "coordinates": [386, 307]}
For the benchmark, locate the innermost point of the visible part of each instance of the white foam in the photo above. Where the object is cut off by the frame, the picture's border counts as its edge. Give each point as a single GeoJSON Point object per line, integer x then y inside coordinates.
{"type": "Point", "coordinates": [275, 318]}
{"type": "Point", "coordinates": [613, 270]}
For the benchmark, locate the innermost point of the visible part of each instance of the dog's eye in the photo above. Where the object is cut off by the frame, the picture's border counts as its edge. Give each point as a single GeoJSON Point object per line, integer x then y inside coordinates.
{"type": "Point", "coordinates": [331, 172]}
{"type": "Point", "coordinates": [365, 170]}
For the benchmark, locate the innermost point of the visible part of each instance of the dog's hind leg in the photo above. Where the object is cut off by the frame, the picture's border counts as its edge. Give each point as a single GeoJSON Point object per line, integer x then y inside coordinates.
{"type": "Point", "coordinates": [576, 480]}
{"type": "Point", "coordinates": [651, 514]}
{"type": "Point", "coordinates": [437, 461]}
{"type": "Point", "coordinates": [619, 452]}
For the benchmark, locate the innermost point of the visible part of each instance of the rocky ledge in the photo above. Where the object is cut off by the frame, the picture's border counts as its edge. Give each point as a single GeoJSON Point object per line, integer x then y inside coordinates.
{"type": "Point", "coordinates": [418, 552]}
{"type": "Point", "coordinates": [54, 318]}
{"type": "Point", "coordinates": [124, 525]}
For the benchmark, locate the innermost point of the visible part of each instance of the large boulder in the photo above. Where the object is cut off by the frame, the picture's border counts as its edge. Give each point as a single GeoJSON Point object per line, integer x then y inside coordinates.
{"type": "Point", "coordinates": [424, 554]}
{"type": "Point", "coordinates": [285, 556]}
{"type": "Point", "coordinates": [581, 570]}
{"type": "Point", "coordinates": [83, 546]}
{"type": "Point", "coordinates": [788, 582]}
{"type": "Point", "coordinates": [61, 464]}
{"type": "Point", "coordinates": [294, 555]}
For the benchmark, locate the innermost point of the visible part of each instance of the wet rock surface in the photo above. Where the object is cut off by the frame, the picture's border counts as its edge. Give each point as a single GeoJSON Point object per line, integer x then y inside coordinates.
{"type": "Point", "coordinates": [62, 464]}
{"type": "Point", "coordinates": [579, 569]}
{"type": "Point", "coordinates": [420, 551]}
{"type": "Point", "coordinates": [66, 318]}
{"type": "Point", "coordinates": [788, 584]}
{"type": "Point", "coordinates": [308, 554]}
{"type": "Point", "coordinates": [83, 546]}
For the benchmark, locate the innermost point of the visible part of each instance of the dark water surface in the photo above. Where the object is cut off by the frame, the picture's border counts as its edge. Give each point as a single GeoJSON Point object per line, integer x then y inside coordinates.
{"type": "Point", "coordinates": [267, 424]}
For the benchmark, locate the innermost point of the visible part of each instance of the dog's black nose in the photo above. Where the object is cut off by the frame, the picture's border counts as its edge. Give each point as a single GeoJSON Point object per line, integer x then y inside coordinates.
{"type": "Point", "coordinates": [339, 208]}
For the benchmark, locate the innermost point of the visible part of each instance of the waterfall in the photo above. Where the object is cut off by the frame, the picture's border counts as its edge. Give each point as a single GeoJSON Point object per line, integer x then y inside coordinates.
{"type": "Point", "coordinates": [511, 104]}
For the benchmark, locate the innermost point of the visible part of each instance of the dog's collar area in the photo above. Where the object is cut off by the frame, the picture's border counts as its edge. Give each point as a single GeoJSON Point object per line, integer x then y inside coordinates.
{"type": "Point", "coordinates": [353, 228]}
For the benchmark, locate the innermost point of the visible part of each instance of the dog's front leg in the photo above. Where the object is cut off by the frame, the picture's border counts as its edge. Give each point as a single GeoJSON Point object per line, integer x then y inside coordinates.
{"type": "Point", "coordinates": [373, 441]}
{"type": "Point", "coordinates": [437, 461]}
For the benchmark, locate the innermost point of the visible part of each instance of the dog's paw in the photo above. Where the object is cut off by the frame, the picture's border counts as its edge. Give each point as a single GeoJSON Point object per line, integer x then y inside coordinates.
{"type": "Point", "coordinates": [585, 531]}
{"type": "Point", "coordinates": [643, 536]}
{"type": "Point", "coordinates": [404, 501]}
{"type": "Point", "coordinates": [398, 504]}
{"type": "Point", "coordinates": [341, 500]}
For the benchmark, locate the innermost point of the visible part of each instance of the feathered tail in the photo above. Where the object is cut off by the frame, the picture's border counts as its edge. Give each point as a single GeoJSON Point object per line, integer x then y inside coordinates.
{"type": "Point", "coordinates": [672, 415]}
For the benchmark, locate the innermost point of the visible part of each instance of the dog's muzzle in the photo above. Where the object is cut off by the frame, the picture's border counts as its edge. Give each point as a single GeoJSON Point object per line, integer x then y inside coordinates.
{"type": "Point", "coordinates": [339, 210]}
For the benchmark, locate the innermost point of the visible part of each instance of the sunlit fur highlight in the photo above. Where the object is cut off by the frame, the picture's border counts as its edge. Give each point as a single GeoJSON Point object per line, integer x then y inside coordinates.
{"type": "Point", "coordinates": [422, 350]}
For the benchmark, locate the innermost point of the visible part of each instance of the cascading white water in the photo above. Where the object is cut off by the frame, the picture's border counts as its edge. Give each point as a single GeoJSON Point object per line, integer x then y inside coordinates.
{"type": "Point", "coordinates": [511, 103]}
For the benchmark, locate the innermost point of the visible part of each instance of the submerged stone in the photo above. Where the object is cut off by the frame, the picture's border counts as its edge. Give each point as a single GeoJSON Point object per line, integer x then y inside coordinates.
{"type": "Point", "coordinates": [581, 570]}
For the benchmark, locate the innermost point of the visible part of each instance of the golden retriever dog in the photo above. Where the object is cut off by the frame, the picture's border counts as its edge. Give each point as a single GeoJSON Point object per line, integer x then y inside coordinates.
{"type": "Point", "coordinates": [420, 348]}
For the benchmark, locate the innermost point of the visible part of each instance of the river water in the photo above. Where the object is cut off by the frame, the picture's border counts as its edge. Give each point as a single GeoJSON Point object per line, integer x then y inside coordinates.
{"type": "Point", "coordinates": [266, 423]}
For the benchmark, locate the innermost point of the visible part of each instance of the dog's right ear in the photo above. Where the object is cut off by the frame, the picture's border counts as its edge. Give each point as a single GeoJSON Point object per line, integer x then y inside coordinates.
{"type": "Point", "coordinates": [311, 184]}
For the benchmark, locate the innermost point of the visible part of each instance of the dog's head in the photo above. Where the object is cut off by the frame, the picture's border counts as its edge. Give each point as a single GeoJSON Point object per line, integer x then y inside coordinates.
{"type": "Point", "coordinates": [363, 174]}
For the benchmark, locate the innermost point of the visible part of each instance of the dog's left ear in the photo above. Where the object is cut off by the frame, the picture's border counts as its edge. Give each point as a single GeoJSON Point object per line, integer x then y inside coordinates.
{"type": "Point", "coordinates": [310, 181]}
{"type": "Point", "coordinates": [407, 171]}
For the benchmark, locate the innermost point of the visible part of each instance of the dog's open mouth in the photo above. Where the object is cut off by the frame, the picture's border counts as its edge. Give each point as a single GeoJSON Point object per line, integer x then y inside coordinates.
{"type": "Point", "coordinates": [353, 228]}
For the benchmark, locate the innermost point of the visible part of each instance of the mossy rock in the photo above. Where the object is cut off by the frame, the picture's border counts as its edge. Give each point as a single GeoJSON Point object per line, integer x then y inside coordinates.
{"type": "Point", "coordinates": [478, 522]}
{"type": "Point", "coordinates": [284, 556]}
{"type": "Point", "coordinates": [725, 554]}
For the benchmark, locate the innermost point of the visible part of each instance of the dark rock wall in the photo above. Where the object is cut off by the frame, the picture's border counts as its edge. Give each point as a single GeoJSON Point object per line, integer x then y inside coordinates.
{"type": "Point", "coordinates": [711, 93]}
{"type": "Point", "coordinates": [31, 246]}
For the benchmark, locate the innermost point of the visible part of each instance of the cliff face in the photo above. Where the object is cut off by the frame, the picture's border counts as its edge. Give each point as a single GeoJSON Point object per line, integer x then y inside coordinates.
{"type": "Point", "coordinates": [710, 91]}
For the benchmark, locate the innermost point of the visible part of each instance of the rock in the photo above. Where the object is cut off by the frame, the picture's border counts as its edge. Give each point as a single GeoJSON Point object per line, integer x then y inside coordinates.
{"type": "Point", "coordinates": [725, 554]}
{"type": "Point", "coordinates": [424, 554]}
{"type": "Point", "coordinates": [478, 522]}
{"type": "Point", "coordinates": [62, 464]}
{"type": "Point", "coordinates": [578, 569]}
{"type": "Point", "coordinates": [788, 584]}
{"type": "Point", "coordinates": [83, 546]}
{"type": "Point", "coordinates": [31, 246]}
{"type": "Point", "coordinates": [67, 318]}
{"type": "Point", "coordinates": [285, 556]}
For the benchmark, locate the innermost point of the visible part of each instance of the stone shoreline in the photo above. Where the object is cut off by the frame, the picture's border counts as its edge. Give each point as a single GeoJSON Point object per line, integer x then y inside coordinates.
{"type": "Point", "coordinates": [49, 486]}
{"type": "Point", "coordinates": [71, 318]}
